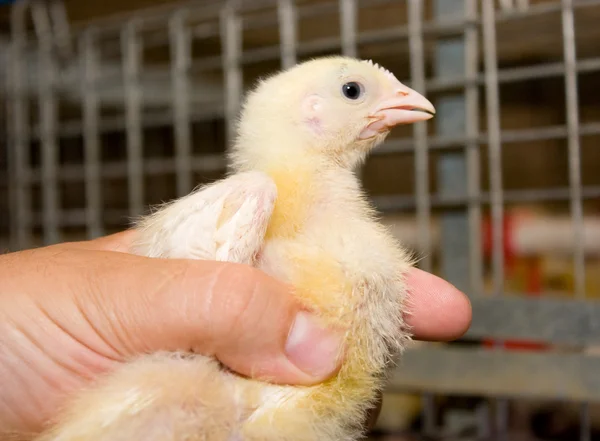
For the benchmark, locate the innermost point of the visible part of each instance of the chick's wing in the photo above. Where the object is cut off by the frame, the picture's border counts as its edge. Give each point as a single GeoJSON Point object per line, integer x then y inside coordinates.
{"type": "Point", "coordinates": [223, 221]}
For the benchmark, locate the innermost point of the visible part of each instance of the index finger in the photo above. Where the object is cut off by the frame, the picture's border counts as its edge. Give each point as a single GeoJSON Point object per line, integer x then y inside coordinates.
{"type": "Point", "coordinates": [438, 311]}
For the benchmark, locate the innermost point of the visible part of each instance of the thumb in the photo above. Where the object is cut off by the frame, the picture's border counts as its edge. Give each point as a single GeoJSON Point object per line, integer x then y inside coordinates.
{"type": "Point", "coordinates": [236, 313]}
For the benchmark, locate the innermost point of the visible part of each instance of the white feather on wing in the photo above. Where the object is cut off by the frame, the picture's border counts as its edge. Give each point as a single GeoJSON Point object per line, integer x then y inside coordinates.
{"type": "Point", "coordinates": [224, 221]}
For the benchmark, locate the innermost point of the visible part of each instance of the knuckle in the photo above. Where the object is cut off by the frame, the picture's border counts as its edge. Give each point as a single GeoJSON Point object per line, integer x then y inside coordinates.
{"type": "Point", "coordinates": [237, 301]}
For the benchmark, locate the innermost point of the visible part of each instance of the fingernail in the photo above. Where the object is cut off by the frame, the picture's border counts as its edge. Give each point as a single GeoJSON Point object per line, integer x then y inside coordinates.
{"type": "Point", "coordinates": [312, 348]}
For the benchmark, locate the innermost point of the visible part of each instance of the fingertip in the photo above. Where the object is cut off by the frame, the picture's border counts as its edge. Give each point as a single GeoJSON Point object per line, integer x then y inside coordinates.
{"type": "Point", "coordinates": [439, 311]}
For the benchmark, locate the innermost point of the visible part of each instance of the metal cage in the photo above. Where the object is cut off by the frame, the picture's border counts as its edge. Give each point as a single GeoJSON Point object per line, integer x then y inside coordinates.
{"type": "Point", "coordinates": [108, 116]}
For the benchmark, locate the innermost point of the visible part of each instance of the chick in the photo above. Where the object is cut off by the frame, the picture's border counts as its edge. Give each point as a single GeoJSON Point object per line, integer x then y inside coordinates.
{"type": "Point", "coordinates": [292, 206]}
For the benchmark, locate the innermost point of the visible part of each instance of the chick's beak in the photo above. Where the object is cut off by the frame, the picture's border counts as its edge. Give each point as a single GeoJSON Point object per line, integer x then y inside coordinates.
{"type": "Point", "coordinates": [405, 107]}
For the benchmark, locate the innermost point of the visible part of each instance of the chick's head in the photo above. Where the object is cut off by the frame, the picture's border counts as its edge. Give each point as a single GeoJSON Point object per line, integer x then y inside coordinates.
{"type": "Point", "coordinates": [331, 109]}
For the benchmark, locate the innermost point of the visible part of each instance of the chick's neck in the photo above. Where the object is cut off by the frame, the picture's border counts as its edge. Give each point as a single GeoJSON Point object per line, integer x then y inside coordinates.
{"type": "Point", "coordinates": [308, 177]}
{"type": "Point", "coordinates": [305, 187]}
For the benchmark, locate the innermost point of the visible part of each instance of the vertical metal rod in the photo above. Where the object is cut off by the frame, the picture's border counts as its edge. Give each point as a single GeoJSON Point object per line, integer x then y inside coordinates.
{"type": "Point", "coordinates": [473, 149]}
{"type": "Point", "coordinates": [287, 32]}
{"type": "Point", "coordinates": [570, 59]}
{"type": "Point", "coordinates": [231, 36]}
{"type": "Point", "coordinates": [450, 60]}
{"type": "Point", "coordinates": [473, 156]}
{"type": "Point", "coordinates": [180, 64]}
{"type": "Point", "coordinates": [49, 146]}
{"type": "Point", "coordinates": [495, 173]}
{"type": "Point", "coordinates": [10, 155]}
{"type": "Point", "coordinates": [91, 136]}
{"type": "Point", "coordinates": [19, 160]}
{"type": "Point", "coordinates": [61, 28]}
{"type": "Point", "coordinates": [574, 148]}
{"type": "Point", "coordinates": [132, 51]}
{"type": "Point", "coordinates": [494, 143]}
{"type": "Point", "coordinates": [417, 74]}
{"type": "Point", "coordinates": [348, 18]}
{"type": "Point", "coordinates": [585, 423]}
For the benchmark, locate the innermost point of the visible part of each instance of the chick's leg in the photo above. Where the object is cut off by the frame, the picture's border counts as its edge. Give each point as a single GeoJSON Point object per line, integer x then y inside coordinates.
{"type": "Point", "coordinates": [156, 398]}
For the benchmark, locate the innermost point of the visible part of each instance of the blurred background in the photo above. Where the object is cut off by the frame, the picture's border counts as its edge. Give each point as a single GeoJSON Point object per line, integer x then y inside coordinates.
{"type": "Point", "coordinates": [112, 106]}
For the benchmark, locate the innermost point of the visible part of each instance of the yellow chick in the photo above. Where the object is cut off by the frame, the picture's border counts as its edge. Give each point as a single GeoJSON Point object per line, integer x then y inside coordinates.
{"type": "Point", "coordinates": [292, 206]}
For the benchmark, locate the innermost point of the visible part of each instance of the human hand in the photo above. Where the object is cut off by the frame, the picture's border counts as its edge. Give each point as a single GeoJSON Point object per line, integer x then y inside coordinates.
{"type": "Point", "coordinates": [73, 311]}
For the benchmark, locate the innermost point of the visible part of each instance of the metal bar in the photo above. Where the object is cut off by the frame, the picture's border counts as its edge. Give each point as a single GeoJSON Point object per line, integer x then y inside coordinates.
{"type": "Point", "coordinates": [384, 204]}
{"type": "Point", "coordinates": [450, 120]}
{"type": "Point", "coordinates": [331, 43]}
{"type": "Point", "coordinates": [403, 203]}
{"type": "Point", "coordinates": [165, 118]}
{"type": "Point", "coordinates": [472, 151]}
{"type": "Point", "coordinates": [572, 111]}
{"type": "Point", "coordinates": [417, 73]}
{"type": "Point", "coordinates": [461, 371]}
{"type": "Point", "coordinates": [348, 19]}
{"type": "Point", "coordinates": [91, 136]}
{"type": "Point", "coordinates": [211, 163]}
{"type": "Point", "coordinates": [200, 9]}
{"type": "Point", "coordinates": [19, 110]}
{"type": "Point", "coordinates": [494, 143]}
{"type": "Point", "coordinates": [404, 145]}
{"type": "Point", "coordinates": [152, 167]}
{"type": "Point", "coordinates": [515, 74]}
{"type": "Point", "coordinates": [49, 145]}
{"type": "Point", "coordinates": [449, 60]}
{"type": "Point", "coordinates": [132, 51]}
{"type": "Point", "coordinates": [506, 75]}
{"type": "Point", "coordinates": [390, 147]}
{"type": "Point", "coordinates": [495, 173]}
{"type": "Point", "coordinates": [151, 17]}
{"type": "Point", "coordinates": [548, 319]}
{"type": "Point", "coordinates": [585, 423]}
{"type": "Point", "coordinates": [288, 38]}
{"type": "Point", "coordinates": [232, 43]}
{"type": "Point", "coordinates": [180, 64]}
{"type": "Point", "coordinates": [269, 53]}
{"type": "Point", "coordinates": [417, 67]}
{"type": "Point", "coordinates": [9, 178]}
{"type": "Point", "coordinates": [150, 119]}
{"type": "Point", "coordinates": [61, 27]}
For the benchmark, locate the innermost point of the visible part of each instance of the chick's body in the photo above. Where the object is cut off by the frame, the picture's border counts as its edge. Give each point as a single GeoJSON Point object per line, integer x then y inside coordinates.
{"type": "Point", "coordinates": [345, 266]}
{"type": "Point", "coordinates": [293, 207]}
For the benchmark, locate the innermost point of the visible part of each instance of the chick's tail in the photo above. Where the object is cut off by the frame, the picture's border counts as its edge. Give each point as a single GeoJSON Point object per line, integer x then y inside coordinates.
{"type": "Point", "coordinates": [156, 398]}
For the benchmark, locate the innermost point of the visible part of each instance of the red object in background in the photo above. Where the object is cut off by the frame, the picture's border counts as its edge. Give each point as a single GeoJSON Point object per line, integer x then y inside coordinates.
{"type": "Point", "coordinates": [533, 283]}
{"type": "Point", "coordinates": [507, 244]}
{"type": "Point", "coordinates": [533, 277]}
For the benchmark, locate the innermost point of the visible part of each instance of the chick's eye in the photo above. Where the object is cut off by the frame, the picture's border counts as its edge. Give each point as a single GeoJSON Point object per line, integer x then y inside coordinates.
{"type": "Point", "coordinates": [352, 90]}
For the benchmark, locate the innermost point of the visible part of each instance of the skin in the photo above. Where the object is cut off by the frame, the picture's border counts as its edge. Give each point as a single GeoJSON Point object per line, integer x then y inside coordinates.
{"type": "Point", "coordinates": [73, 311]}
